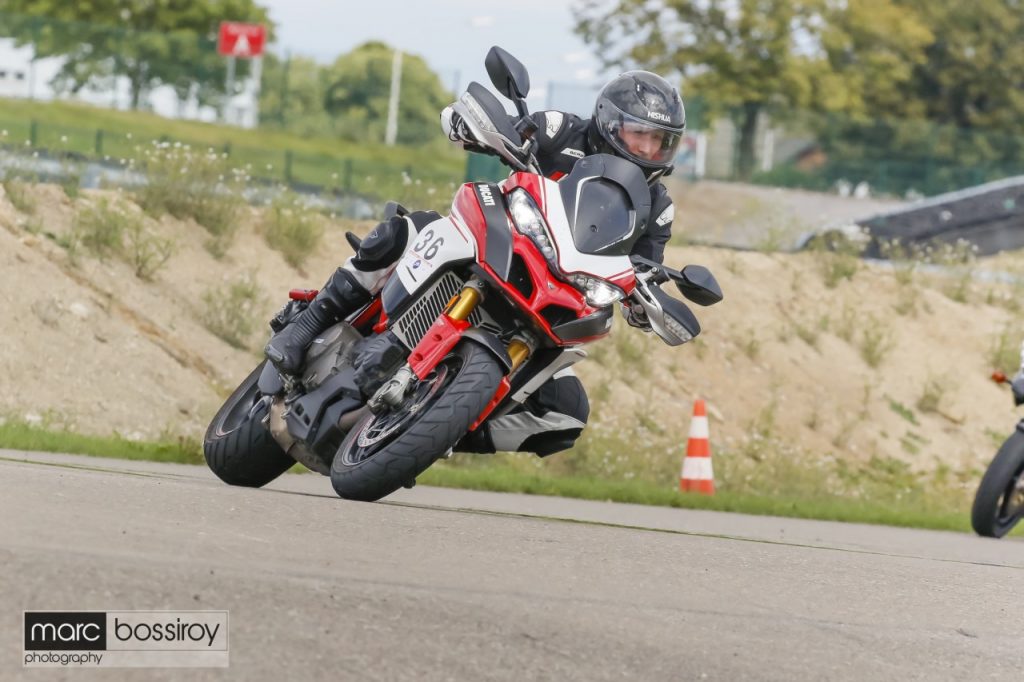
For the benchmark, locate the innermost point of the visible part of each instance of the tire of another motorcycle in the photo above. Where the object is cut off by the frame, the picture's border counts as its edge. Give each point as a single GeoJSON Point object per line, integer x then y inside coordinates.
{"type": "Point", "coordinates": [384, 452]}
{"type": "Point", "coordinates": [997, 507]}
{"type": "Point", "coordinates": [238, 447]}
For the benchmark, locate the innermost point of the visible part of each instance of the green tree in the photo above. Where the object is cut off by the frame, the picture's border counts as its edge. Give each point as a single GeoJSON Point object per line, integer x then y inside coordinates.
{"type": "Point", "coordinates": [151, 42]}
{"type": "Point", "coordinates": [358, 87]}
{"type": "Point", "coordinates": [871, 50]}
{"type": "Point", "coordinates": [973, 72]}
{"type": "Point", "coordinates": [929, 93]}
{"type": "Point", "coordinates": [292, 97]}
{"type": "Point", "coordinates": [742, 57]}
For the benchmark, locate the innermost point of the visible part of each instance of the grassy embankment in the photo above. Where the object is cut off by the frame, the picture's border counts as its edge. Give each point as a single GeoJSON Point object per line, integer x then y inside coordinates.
{"type": "Point", "coordinates": [275, 155]}
{"type": "Point", "coordinates": [501, 475]}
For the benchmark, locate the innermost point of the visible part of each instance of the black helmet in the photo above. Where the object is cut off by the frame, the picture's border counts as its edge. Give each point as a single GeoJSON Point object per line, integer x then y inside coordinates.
{"type": "Point", "coordinates": [639, 117]}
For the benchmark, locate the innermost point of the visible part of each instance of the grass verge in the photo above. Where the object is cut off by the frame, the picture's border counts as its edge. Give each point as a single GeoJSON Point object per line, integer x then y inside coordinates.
{"type": "Point", "coordinates": [17, 435]}
{"type": "Point", "coordinates": [502, 478]}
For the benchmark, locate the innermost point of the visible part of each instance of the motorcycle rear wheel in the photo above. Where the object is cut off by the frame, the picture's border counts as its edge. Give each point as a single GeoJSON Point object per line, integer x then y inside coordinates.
{"type": "Point", "coordinates": [386, 451]}
{"type": "Point", "coordinates": [999, 502]}
{"type": "Point", "coordinates": [238, 447]}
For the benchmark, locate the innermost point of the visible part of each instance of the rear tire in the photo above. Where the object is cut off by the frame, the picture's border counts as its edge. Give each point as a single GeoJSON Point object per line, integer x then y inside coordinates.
{"type": "Point", "coordinates": [370, 472]}
{"type": "Point", "coordinates": [999, 503]}
{"type": "Point", "coordinates": [238, 447]}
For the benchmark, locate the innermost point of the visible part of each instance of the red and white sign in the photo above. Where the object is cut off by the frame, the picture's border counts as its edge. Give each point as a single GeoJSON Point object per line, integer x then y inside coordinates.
{"type": "Point", "coordinates": [241, 40]}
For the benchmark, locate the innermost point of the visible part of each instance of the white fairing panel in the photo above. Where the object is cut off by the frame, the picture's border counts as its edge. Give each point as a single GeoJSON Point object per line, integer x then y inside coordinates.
{"type": "Point", "coordinates": [438, 243]}
{"type": "Point", "coordinates": [569, 259]}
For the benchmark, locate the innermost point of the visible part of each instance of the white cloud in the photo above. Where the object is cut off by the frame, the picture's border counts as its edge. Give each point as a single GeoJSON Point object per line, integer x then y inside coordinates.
{"type": "Point", "coordinates": [585, 74]}
{"type": "Point", "coordinates": [574, 57]}
{"type": "Point", "coordinates": [481, 21]}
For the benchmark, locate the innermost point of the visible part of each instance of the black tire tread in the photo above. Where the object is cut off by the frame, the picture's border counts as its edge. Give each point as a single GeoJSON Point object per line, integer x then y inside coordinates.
{"type": "Point", "coordinates": [984, 512]}
{"type": "Point", "coordinates": [248, 456]}
{"type": "Point", "coordinates": [440, 427]}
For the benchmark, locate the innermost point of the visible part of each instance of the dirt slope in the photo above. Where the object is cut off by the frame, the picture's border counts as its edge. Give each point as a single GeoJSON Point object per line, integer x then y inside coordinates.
{"type": "Point", "coordinates": [782, 360]}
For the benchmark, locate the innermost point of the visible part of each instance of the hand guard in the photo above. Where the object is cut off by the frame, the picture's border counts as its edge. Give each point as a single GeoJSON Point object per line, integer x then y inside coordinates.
{"type": "Point", "coordinates": [454, 127]}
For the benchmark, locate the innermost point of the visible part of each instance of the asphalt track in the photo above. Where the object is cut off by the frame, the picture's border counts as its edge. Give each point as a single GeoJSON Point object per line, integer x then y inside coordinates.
{"type": "Point", "coordinates": [437, 584]}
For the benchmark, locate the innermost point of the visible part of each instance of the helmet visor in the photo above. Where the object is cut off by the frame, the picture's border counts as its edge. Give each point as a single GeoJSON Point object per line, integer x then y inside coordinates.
{"type": "Point", "coordinates": [646, 143]}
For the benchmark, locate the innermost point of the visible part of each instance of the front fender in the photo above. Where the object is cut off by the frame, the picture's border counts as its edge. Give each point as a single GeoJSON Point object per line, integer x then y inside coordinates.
{"type": "Point", "coordinates": [491, 343]}
{"type": "Point", "coordinates": [442, 337]}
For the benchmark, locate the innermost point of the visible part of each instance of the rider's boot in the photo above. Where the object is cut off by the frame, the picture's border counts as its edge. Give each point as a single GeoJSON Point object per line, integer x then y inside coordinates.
{"type": "Point", "coordinates": [348, 289]}
{"type": "Point", "coordinates": [341, 296]}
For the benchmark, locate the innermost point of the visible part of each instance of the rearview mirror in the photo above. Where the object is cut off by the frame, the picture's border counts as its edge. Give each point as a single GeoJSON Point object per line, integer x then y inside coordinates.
{"type": "Point", "coordinates": [699, 285]}
{"type": "Point", "coordinates": [507, 73]}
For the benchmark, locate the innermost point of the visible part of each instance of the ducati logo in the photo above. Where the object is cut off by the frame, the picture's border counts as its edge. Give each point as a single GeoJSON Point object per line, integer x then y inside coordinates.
{"type": "Point", "coordinates": [485, 195]}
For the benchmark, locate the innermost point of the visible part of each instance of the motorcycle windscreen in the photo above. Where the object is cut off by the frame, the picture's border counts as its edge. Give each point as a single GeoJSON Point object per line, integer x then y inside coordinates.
{"type": "Point", "coordinates": [607, 204]}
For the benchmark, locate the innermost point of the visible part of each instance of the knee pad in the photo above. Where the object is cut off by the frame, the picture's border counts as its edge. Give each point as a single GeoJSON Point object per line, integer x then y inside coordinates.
{"type": "Point", "coordinates": [565, 395]}
{"type": "Point", "coordinates": [384, 245]}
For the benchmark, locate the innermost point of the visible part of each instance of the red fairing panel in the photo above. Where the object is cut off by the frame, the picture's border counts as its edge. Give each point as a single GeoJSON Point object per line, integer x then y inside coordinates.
{"type": "Point", "coordinates": [466, 210]}
{"type": "Point", "coordinates": [435, 344]}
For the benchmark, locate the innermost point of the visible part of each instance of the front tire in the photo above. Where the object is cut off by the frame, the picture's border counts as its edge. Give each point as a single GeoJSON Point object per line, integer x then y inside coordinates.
{"type": "Point", "coordinates": [385, 451]}
{"type": "Point", "coordinates": [999, 502]}
{"type": "Point", "coordinates": [238, 447]}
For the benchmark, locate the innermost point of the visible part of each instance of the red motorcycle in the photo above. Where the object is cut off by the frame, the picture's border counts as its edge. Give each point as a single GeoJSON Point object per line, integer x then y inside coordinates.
{"type": "Point", "coordinates": [489, 301]}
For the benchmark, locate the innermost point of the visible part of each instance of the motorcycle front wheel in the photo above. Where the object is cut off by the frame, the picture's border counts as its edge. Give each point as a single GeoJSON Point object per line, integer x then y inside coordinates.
{"type": "Point", "coordinates": [386, 451]}
{"type": "Point", "coordinates": [999, 502]}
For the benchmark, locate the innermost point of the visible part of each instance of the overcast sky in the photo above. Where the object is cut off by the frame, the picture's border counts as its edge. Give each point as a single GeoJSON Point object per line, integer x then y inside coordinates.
{"type": "Point", "coordinates": [453, 36]}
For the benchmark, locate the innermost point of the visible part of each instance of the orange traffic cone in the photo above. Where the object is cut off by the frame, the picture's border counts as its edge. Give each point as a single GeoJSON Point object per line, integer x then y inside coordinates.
{"type": "Point", "coordinates": [697, 475]}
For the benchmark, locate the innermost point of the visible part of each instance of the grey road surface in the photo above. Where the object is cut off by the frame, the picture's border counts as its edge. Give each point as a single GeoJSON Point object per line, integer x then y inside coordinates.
{"type": "Point", "coordinates": [439, 584]}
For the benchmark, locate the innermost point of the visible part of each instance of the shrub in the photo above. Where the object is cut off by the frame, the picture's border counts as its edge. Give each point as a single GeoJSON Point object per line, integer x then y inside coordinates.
{"type": "Point", "coordinates": [292, 228]}
{"type": "Point", "coordinates": [100, 228]}
{"type": "Point", "coordinates": [230, 311]}
{"type": "Point", "coordinates": [145, 251]}
{"type": "Point", "coordinates": [190, 184]}
{"type": "Point", "coordinates": [17, 193]}
{"type": "Point", "coordinates": [875, 343]}
{"type": "Point", "coordinates": [838, 255]}
{"type": "Point", "coordinates": [105, 229]}
{"type": "Point", "coordinates": [932, 394]}
{"type": "Point", "coordinates": [1004, 353]}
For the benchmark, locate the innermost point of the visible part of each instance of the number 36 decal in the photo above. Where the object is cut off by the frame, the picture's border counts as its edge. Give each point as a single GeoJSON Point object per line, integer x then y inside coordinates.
{"type": "Point", "coordinates": [427, 241]}
{"type": "Point", "coordinates": [439, 243]}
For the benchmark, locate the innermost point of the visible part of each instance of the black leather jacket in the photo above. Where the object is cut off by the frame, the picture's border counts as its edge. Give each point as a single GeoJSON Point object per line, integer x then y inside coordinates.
{"type": "Point", "coordinates": [562, 140]}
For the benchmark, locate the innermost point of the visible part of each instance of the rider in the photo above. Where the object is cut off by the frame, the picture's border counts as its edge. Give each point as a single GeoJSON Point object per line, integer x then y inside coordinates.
{"type": "Point", "coordinates": [638, 116]}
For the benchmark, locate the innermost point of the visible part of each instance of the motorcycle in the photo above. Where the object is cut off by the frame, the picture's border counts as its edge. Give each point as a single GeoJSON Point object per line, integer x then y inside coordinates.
{"type": "Point", "coordinates": [999, 502]}
{"type": "Point", "coordinates": [488, 302]}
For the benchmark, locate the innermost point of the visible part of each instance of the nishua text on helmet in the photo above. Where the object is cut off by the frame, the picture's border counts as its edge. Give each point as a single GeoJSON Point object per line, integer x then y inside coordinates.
{"type": "Point", "coordinates": [658, 116]}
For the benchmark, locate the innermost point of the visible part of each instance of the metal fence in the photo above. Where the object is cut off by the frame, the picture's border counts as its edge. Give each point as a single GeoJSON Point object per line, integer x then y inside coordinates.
{"type": "Point", "coordinates": [795, 149]}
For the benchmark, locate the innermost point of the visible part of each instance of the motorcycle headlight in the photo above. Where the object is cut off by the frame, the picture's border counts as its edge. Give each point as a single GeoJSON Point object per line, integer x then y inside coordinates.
{"type": "Point", "coordinates": [598, 292]}
{"type": "Point", "coordinates": [530, 223]}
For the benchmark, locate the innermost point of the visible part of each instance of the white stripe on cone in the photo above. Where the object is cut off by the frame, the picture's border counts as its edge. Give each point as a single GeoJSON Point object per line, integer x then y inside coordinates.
{"type": "Point", "coordinates": [699, 428]}
{"type": "Point", "coordinates": [698, 469]}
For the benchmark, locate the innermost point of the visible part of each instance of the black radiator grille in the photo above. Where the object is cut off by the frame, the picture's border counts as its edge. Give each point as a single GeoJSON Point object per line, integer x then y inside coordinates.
{"type": "Point", "coordinates": [414, 323]}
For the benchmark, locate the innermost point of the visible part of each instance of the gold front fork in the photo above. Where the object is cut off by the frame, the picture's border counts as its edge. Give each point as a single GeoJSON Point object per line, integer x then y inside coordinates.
{"type": "Point", "coordinates": [462, 306]}
{"type": "Point", "coordinates": [467, 301]}
{"type": "Point", "coordinates": [518, 351]}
